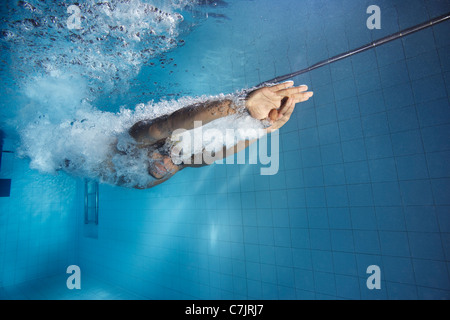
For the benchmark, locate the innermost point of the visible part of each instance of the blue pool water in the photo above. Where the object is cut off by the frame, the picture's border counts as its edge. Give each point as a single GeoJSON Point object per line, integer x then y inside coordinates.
{"type": "Point", "coordinates": [364, 176]}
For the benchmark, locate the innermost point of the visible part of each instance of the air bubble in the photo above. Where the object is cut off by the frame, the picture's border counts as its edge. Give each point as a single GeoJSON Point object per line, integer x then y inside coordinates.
{"type": "Point", "coordinates": [115, 32]}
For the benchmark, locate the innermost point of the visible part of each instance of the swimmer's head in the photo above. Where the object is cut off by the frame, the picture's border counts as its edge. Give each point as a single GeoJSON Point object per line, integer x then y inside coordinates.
{"type": "Point", "coordinates": [160, 165]}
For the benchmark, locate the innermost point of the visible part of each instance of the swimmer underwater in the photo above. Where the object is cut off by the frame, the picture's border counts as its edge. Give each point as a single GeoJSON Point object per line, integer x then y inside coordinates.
{"type": "Point", "coordinates": [274, 104]}
{"type": "Point", "coordinates": [149, 155]}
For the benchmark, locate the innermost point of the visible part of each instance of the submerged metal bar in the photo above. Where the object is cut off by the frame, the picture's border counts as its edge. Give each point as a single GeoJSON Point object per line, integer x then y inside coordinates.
{"type": "Point", "coordinates": [371, 45]}
{"type": "Point", "coordinates": [86, 204]}
{"type": "Point", "coordinates": [96, 203]}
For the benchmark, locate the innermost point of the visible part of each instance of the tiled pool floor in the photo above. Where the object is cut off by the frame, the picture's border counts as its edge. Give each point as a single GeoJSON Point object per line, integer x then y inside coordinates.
{"type": "Point", "coordinates": [54, 288]}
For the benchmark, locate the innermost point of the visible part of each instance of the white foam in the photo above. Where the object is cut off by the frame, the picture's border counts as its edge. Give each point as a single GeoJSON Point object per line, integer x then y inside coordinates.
{"type": "Point", "coordinates": [115, 38]}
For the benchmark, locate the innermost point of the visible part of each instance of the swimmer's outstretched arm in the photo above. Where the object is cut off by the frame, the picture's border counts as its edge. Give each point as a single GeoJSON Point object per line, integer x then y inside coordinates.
{"type": "Point", "coordinates": [259, 104]}
{"type": "Point", "coordinates": [284, 114]}
{"type": "Point", "coordinates": [149, 132]}
{"type": "Point", "coordinates": [224, 152]}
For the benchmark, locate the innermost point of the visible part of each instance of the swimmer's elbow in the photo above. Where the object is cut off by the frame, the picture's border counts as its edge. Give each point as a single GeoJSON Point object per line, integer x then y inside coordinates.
{"type": "Point", "coordinates": [137, 131]}
{"type": "Point", "coordinates": [144, 132]}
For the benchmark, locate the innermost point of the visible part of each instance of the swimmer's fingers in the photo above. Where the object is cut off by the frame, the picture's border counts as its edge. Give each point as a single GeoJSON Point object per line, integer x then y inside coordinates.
{"type": "Point", "coordinates": [287, 109]}
{"type": "Point", "coordinates": [281, 86]}
{"type": "Point", "coordinates": [292, 91]}
{"type": "Point", "coordinates": [284, 114]}
{"type": "Point", "coordinates": [302, 96]}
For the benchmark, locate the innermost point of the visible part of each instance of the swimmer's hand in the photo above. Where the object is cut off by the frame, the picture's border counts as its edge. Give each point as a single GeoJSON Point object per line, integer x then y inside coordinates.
{"type": "Point", "coordinates": [269, 100]}
{"type": "Point", "coordinates": [283, 116]}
